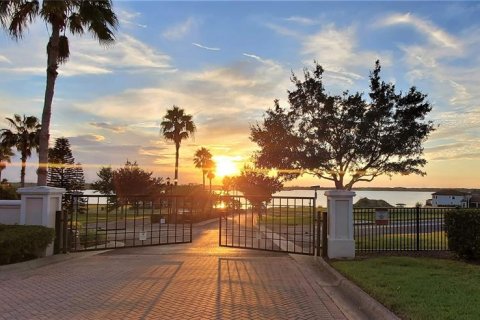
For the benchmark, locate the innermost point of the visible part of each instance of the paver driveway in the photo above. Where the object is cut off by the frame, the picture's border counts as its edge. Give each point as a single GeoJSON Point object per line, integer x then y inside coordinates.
{"type": "Point", "coordinates": [188, 281]}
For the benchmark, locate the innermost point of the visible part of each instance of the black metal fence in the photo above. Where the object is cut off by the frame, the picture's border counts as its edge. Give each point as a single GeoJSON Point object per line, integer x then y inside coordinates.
{"type": "Point", "coordinates": [400, 229]}
{"type": "Point", "coordinates": [284, 224]}
{"type": "Point", "coordinates": [104, 222]}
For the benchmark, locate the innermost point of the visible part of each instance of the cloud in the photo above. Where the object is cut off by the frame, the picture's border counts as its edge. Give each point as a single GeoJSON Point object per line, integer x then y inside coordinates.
{"type": "Point", "coordinates": [4, 59]}
{"type": "Point", "coordinates": [283, 30]}
{"type": "Point", "coordinates": [301, 20]}
{"type": "Point", "coordinates": [180, 30]}
{"type": "Point", "coordinates": [433, 32]}
{"type": "Point", "coordinates": [128, 18]}
{"type": "Point", "coordinates": [109, 126]}
{"type": "Point", "coordinates": [204, 47]}
{"type": "Point", "coordinates": [86, 139]}
{"type": "Point", "coordinates": [337, 50]}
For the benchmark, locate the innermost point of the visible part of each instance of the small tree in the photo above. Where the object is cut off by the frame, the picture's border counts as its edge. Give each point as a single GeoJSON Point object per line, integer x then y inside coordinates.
{"type": "Point", "coordinates": [23, 135]}
{"type": "Point", "coordinates": [5, 157]}
{"type": "Point", "coordinates": [257, 187]}
{"type": "Point", "coordinates": [210, 166]}
{"type": "Point", "coordinates": [201, 158]}
{"type": "Point", "coordinates": [105, 183]}
{"type": "Point", "coordinates": [344, 138]}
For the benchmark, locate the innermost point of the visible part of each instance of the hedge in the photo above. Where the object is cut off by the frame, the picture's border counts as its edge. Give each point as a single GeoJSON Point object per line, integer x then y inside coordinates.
{"type": "Point", "coordinates": [20, 243]}
{"type": "Point", "coordinates": [463, 232]}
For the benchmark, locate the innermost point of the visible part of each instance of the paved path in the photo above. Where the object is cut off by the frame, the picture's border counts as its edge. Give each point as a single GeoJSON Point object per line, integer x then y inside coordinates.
{"type": "Point", "coordinates": [188, 281]}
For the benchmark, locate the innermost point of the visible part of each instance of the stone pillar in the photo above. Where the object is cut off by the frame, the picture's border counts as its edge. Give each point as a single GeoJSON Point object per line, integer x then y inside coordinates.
{"type": "Point", "coordinates": [38, 207]}
{"type": "Point", "coordinates": [341, 244]}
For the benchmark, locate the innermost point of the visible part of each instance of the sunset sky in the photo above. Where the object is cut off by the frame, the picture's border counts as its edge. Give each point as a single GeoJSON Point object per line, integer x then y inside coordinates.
{"type": "Point", "coordinates": [225, 63]}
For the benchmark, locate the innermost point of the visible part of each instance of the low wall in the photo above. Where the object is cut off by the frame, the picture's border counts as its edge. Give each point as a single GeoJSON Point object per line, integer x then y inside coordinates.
{"type": "Point", "coordinates": [10, 211]}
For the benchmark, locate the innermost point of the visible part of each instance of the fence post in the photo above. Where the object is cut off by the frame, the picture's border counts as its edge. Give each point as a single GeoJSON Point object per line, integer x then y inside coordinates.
{"type": "Point", "coordinates": [324, 234]}
{"type": "Point", "coordinates": [318, 217]}
{"type": "Point", "coordinates": [417, 210]}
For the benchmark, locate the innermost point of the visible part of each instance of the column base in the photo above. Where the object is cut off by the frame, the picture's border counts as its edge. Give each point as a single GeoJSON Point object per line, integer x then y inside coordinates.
{"type": "Point", "coordinates": [341, 249]}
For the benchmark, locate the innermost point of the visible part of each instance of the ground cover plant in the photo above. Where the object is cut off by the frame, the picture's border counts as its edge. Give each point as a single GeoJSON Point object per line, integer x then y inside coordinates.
{"type": "Point", "coordinates": [419, 288]}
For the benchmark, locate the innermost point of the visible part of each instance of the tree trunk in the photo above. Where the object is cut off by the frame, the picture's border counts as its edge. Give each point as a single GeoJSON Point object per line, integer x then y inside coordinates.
{"type": "Point", "coordinates": [210, 186]}
{"type": "Point", "coordinates": [52, 66]}
{"type": "Point", "coordinates": [204, 173]}
{"type": "Point", "coordinates": [22, 171]}
{"type": "Point", "coordinates": [177, 148]}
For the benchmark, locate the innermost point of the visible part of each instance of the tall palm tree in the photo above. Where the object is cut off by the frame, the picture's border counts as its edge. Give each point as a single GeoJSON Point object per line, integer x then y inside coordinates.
{"type": "Point", "coordinates": [24, 135]}
{"type": "Point", "coordinates": [5, 154]}
{"type": "Point", "coordinates": [177, 126]}
{"type": "Point", "coordinates": [211, 166]}
{"type": "Point", "coordinates": [76, 16]}
{"type": "Point", "coordinates": [201, 158]}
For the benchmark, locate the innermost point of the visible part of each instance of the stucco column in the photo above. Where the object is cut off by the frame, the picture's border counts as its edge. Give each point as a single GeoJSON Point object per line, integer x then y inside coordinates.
{"type": "Point", "coordinates": [341, 244]}
{"type": "Point", "coordinates": [38, 207]}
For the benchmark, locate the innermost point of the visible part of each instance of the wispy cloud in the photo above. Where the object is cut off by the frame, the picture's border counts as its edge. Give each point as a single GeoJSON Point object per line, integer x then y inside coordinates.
{"type": "Point", "coordinates": [180, 30]}
{"type": "Point", "coordinates": [205, 47]}
{"type": "Point", "coordinates": [128, 18]}
{"type": "Point", "coordinates": [338, 51]}
{"type": "Point", "coordinates": [4, 59]}
{"type": "Point", "coordinates": [302, 20]}
{"type": "Point", "coordinates": [282, 30]}
{"type": "Point", "coordinates": [109, 126]}
{"type": "Point", "coordinates": [433, 32]}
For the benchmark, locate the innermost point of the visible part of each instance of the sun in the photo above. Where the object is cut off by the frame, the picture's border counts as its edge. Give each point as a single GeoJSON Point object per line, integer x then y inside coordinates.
{"type": "Point", "coordinates": [226, 166]}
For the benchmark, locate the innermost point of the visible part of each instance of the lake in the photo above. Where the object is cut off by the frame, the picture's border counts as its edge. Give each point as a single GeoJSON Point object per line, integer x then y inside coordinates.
{"type": "Point", "coordinates": [409, 198]}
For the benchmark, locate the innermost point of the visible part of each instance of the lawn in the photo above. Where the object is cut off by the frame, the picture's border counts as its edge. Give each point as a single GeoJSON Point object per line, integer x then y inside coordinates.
{"type": "Point", "coordinates": [419, 288]}
{"type": "Point", "coordinates": [427, 241]}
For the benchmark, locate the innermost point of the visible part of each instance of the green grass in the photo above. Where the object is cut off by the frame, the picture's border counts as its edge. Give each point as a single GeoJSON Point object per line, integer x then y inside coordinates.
{"type": "Point", "coordinates": [428, 241]}
{"type": "Point", "coordinates": [419, 288]}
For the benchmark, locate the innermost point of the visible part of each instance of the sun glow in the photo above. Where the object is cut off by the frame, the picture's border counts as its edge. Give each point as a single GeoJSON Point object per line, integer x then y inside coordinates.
{"type": "Point", "coordinates": [226, 166]}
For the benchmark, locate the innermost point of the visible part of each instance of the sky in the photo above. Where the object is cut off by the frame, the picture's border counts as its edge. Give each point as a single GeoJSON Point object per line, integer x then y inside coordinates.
{"type": "Point", "coordinates": [225, 63]}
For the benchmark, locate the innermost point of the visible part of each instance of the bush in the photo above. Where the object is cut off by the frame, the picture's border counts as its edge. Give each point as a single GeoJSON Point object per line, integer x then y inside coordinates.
{"type": "Point", "coordinates": [21, 243]}
{"type": "Point", "coordinates": [93, 238]}
{"type": "Point", "coordinates": [8, 192]}
{"type": "Point", "coordinates": [463, 232]}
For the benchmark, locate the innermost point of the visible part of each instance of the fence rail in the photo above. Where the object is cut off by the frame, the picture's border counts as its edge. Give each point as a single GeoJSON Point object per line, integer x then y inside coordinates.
{"type": "Point", "coordinates": [400, 229]}
{"type": "Point", "coordinates": [101, 222]}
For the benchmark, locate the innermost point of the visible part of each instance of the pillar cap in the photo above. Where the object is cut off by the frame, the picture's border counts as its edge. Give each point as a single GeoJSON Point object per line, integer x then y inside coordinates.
{"type": "Point", "coordinates": [41, 190]}
{"type": "Point", "coordinates": [339, 193]}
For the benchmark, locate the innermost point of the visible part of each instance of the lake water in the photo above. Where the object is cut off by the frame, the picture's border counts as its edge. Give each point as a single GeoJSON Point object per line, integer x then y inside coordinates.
{"type": "Point", "coordinates": [409, 198]}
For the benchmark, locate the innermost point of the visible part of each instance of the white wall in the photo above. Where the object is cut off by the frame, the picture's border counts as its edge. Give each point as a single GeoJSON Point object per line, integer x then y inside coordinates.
{"type": "Point", "coordinates": [10, 211]}
{"type": "Point", "coordinates": [444, 200]}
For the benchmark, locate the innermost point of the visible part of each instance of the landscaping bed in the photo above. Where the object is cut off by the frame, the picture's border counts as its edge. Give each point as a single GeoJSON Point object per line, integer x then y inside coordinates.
{"type": "Point", "coordinates": [418, 287]}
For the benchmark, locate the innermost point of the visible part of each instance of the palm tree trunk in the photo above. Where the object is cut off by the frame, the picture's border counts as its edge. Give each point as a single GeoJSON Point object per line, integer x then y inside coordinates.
{"type": "Point", "coordinates": [204, 173]}
{"type": "Point", "coordinates": [177, 148]}
{"type": "Point", "coordinates": [52, 61]}
{"type": "Point", "coordinates": [210, 186]}
{"type": "Point", "coordinates": [22, 171]}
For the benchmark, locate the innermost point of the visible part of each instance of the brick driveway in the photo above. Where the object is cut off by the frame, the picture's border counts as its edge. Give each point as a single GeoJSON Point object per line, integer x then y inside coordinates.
{"type": "Point", "coordinates": [191, 281]}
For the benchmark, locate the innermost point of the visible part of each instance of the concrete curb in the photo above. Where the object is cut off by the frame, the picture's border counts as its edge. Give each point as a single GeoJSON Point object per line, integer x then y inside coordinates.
{"type": "Point", "coordinates": [351, 299]}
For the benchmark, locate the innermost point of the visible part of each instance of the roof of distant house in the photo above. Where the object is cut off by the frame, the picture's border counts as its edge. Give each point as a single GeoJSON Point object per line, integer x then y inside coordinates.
{"type": "Point", "coordinates": [449, 192]}
{"type": "Point", "coordinates": [475, 198]}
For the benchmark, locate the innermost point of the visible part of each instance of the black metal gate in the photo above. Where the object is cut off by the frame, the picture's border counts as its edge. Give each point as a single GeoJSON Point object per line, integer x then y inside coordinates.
{"type": "Point", "coordinates": [283, 224]}
{"type": "Point", "coordinates": [106, 222]}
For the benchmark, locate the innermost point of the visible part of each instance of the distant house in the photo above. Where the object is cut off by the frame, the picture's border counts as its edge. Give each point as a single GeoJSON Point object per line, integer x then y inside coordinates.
{"type": "Point", "coordinates": [474, 201]}
{"type": "Point", "coordinates": [451, 198]}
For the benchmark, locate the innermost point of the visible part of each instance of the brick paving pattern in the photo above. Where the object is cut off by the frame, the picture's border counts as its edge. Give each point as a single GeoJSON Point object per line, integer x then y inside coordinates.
{"type": "Point", "coordinates": [188, 281]}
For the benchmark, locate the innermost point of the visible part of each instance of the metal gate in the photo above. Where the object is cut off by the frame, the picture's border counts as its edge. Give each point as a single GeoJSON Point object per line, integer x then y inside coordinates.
{"type": "Point", "coordinates": [105, 222]}
{"type": "Point", "coordinates": [283, 224]}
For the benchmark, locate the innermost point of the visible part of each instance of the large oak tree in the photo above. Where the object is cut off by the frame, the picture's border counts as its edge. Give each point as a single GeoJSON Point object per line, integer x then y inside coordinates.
{"type": "Point", "coordinates": [344, 138]}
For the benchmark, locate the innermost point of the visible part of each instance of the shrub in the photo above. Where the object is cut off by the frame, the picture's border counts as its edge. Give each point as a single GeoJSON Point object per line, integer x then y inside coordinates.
{"type": "Point", "coordinates": [21, 243]}
{"type": "Point", "coordinates": [8, 192]}
{"type": "Point", "coordinates": [93, 238]}
{"type": "Point", "coordinates": [463, 232]}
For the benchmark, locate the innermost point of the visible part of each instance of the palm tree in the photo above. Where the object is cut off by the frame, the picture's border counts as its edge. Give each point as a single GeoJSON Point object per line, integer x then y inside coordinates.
{"type": "Point", "coordinates": [76, 16]}
{"type": "Point", "coordinates": [24, 136]}
{"type": "Point", "coordinates": [5, 154]}
{"type": "Point", "coordinates": [201, 158]}
{"type": "Point", "coordinates": [211, 166]}
{"type": "Point", "coordinates": [177, 126]}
